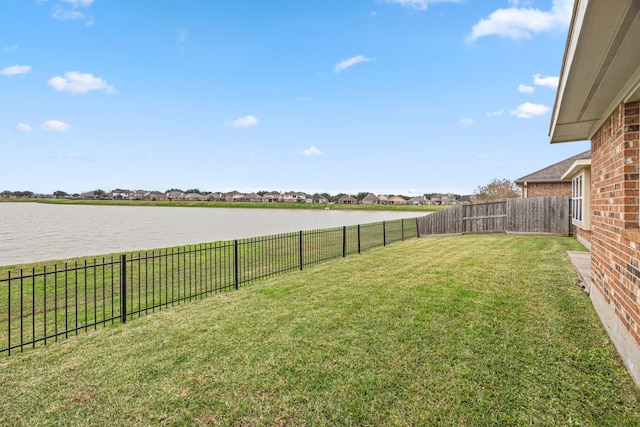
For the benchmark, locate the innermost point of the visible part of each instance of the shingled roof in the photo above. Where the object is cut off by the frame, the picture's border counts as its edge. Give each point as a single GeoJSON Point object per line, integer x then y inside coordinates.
{"type": "Point", "coordinates": [555, 171]}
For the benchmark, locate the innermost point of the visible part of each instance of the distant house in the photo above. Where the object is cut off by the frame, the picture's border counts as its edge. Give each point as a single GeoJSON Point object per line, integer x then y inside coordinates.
{"type": "Point", "coordinates": [347, 200]}
{"type": "Point", "coordinates": [417, 201]}
{"type": "Point", "coordinates": [370, 199]}
{"type": "Point", "coordinates": [442, 199]}
{"type": "Point", "coordinates": [157, 196]}
{"type": "Point", "coordinates": [232, 196]}
{"type": "Point", "coordinates": [175, 195]}
{"type": "Point", "coordinates": [193, 197]}
{"type": "Point", "coordinates": [549, 182]}
{"type": "Point", "coordinates": [119, 195]}
{"type": "Point", "coordinates": [319, 198]}
{"type": "Point", "coordinates": [293, 197]}
{"type": "Point", "coordinates": [384, 199]}
{"type": "Point", "coordinates": [271, 197]}
{"type": "Point", "coordinates": [469, 198]}
{"type": "Point", "coordinates": [396, 200]}
{"type": "Point", "coordinates": [251, 197]}
{"type": "Point", "coordinates": [140, 195]}
{"type": "Point", "coordinates": [90, 195]}
{"type": "Point", "coordinates": [214, 197]}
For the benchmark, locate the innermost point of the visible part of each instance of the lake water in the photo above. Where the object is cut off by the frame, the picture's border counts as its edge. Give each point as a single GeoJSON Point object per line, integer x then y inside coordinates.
{"type": "Point", "coordinates": [31, 232]}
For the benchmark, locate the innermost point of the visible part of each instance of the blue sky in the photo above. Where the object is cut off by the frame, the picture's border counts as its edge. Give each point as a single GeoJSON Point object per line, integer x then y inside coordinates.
{"type": "Point", "coordinates": [388, 96]}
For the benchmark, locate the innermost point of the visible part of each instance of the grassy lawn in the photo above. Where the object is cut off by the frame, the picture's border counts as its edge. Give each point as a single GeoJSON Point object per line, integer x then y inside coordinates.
{"type": "Point", "coordinates": [462, 330]}
{"type": "Point", "coordinates": [255, 205]}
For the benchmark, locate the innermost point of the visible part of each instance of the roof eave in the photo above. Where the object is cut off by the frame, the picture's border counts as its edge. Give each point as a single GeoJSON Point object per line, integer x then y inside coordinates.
{"type": "Point", "coordinates": [600, 68]}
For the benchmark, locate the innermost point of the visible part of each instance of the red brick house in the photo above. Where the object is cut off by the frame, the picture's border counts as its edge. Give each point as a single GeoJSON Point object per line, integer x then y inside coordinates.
{"type": "Point", "coordinates": [549, 182]}
{"type": "Point", "coordinates": [598, 99]}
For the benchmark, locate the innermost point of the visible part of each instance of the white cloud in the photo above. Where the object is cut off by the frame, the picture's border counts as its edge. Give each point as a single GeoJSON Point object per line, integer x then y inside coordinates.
{"type": "Point", "coordinates": [494, 113]}
{"type": "Point", "coordinates": [549, 81]}
{"type": "Point", "coordinates": [79, 83]}
{"type": "Point", "coordinates": [311, 151]}
{"type": "Point", "coordinates": [13, 47]}
{"type": "Point", "coordinates": [418, 4]}
{"type": "Point", "coordinates": [71, 12]}
{"type": "Point", "coordinates": [529, 110]}
{"type": "Point", "coordinates": [66, 15]}
{"type": "Point", "coordinates": [244, 122]}
{"type": "Point", "coordinates": [348, 63]}
{"type": "Point", "coordinates": [24, 128]}
{"type": "Point", "coordinates": [79, 3]}
{"type": "Point", "coordinates": [521, 22]}
{"type": "Point", "coordinates": [15, 70]}
{"type": "Point", "coordinates": [526, 89]}
{"type": "Point", "coordinates": [55, 126]}
{"type": "Point", "coordinates": [466, 122]}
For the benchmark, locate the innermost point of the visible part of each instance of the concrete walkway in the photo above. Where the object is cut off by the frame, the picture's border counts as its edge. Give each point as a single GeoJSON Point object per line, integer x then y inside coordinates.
{"type": "Point", "coordinates": [582, 263]}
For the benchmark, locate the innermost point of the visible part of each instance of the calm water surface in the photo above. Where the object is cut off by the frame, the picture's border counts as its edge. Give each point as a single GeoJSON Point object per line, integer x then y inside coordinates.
{"type": "Point", "coordinates": [31, 232]}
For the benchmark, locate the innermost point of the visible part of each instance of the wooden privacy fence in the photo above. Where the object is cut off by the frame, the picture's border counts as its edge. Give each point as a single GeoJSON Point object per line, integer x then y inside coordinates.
{"type": "Point", "coordinates": [544, 215]}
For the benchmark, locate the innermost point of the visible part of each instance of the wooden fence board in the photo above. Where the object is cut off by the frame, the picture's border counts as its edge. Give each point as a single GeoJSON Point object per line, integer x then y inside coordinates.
{"type": "Point", "coordinates": [544, 215]}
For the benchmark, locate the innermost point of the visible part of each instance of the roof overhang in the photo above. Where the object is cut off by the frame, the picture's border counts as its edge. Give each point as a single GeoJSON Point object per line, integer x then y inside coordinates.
{"type": "Point", "coordinates": [576, 168]}
{"type": "Point", "coordinates": [600, 69]}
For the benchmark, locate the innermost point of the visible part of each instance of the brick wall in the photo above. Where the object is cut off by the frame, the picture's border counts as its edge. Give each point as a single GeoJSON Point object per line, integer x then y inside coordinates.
{"type": "Point", "coordinates": [615, 246]}
{"type": "Point", "coordinates": [548, 189]}
{"type": "Point", "coordinates": [582, 234]}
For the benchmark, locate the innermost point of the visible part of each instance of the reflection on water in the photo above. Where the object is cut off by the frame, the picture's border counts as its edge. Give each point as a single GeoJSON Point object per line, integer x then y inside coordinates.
{"type": "Point", "coordinates": [31, 232]}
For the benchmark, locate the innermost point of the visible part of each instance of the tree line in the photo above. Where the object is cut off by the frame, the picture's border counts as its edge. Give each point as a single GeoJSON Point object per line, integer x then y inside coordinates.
{"type": "Point", "coordinates": [496, 189]}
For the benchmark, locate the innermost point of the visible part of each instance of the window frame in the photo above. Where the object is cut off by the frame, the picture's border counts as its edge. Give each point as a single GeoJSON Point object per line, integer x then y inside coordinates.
{"type": "Point", "coordinates": [580, 175]}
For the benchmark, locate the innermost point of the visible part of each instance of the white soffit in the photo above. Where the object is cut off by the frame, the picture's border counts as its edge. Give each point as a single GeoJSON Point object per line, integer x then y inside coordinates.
{"type": "Point", "coordinates": [601, 67]}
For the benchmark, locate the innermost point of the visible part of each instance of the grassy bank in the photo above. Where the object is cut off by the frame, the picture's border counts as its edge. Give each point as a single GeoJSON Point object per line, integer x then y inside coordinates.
{"type": "Point", "coordinates": [232, 205]}
{"type": "Point", "coordinates": [464, 330]}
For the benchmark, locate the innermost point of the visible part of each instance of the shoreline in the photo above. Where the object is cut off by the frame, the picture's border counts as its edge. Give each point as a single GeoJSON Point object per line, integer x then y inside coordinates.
{"type": "Point", "coordinates": [245, 205]}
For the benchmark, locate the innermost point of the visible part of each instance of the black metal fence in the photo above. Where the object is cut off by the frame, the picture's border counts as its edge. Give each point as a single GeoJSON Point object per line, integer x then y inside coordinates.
{"type": "Point", "coordinates": [47, 303]}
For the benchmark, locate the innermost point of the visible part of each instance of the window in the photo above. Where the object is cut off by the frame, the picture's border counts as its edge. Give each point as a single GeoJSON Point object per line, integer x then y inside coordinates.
{"type": "Point", "coordinates": [580, 175]}
{"type": "Point", "coordinates": [577, 198]}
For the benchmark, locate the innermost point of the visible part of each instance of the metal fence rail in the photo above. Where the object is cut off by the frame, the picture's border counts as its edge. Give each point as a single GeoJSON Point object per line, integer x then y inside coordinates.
{"type": "Point", "coordinates": [46, 303]}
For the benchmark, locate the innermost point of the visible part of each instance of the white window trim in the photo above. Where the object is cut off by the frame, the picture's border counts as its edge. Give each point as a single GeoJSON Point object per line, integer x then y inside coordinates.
{"type": "Point", "coordinates": [580, 175]}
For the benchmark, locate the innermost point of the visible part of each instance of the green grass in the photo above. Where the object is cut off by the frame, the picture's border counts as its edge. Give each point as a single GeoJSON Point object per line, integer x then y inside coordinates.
{"type": "Point", "coordinates": [48, 300]}
{"type": "Point", "coordinates": [254, 205]}
{"type": "Point", "coordinates": [463, 330]}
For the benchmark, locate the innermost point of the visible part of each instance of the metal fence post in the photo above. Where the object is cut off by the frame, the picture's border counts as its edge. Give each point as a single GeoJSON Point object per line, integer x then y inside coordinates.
{"type": "Point", "coordinates": [417, 228]}
{"type": "Point", "coordinates": [235, 264]}
{"type": "Point", "coordinates": [344, 241]}
{"type": "Point", "coordinates": [123, 288]}
{"type": "Point", "coordinates": [384, 233]}
{"type": "Point", "coordinates": [402, 223]}
{"type": "Point", "coordinates": [9, 312]}
{"type": "Point", "coordinates": [301, 251]}
{"type": "Point", "coordinates": [358, 238]}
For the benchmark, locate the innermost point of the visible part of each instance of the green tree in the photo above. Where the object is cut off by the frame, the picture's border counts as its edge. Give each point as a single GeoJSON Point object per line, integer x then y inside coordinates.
{"type": "Point", "coordinates": [498, 189]}
{"type": "Point", "coordinates": [60, 194]}
{"type": "Point", "coordinates": [337, 197]}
